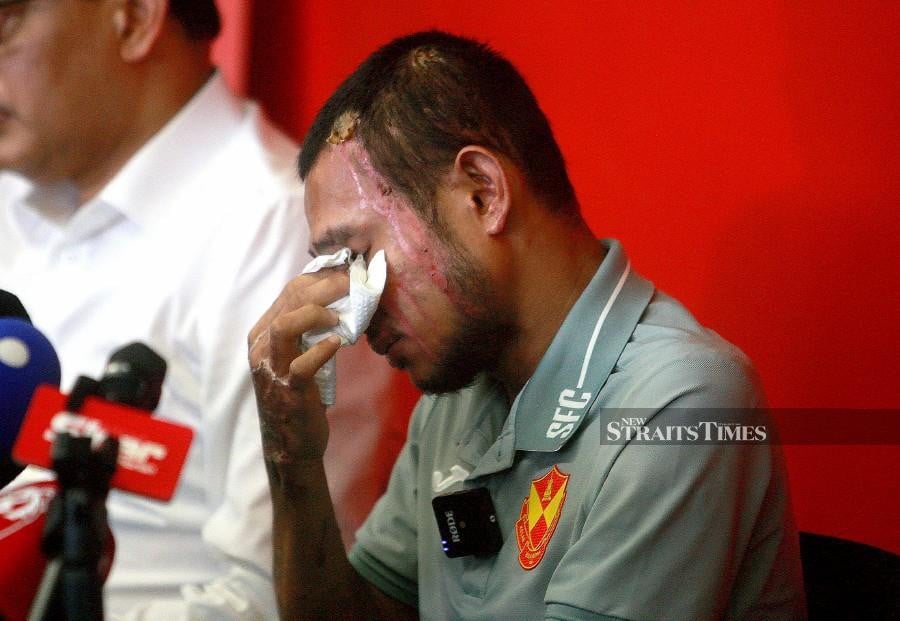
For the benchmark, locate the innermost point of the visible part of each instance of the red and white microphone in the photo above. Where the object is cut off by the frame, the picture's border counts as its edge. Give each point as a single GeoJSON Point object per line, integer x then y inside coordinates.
{"type": "Point", "coordinates": [146, 459]}
{"type": "Point", "coordinates": [152, 452]}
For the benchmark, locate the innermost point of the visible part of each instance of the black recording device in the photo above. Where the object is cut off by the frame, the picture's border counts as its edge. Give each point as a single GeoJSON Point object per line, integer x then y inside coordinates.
{"type": "Point", "coordinates": [467, 523]}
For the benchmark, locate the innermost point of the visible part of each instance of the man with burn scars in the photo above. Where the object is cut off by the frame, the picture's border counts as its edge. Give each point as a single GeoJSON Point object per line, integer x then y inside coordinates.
{"type": "Point", "coordinates": [527, 334]}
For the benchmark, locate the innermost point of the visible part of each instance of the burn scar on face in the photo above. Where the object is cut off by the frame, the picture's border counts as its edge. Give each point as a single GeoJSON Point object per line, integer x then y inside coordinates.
{"type": "Point", "coordinates": [416, 260]}
{"type": "Point", "coordinates": [376, 194]}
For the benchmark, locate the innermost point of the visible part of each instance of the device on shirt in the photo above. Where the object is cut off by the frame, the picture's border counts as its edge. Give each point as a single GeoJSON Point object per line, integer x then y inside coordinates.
{"type": "Point", "coordinates": [468, 523]}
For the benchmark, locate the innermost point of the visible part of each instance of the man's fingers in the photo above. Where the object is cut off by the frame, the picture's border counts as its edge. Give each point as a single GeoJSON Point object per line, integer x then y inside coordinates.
{"type": "Point", "coordinates": [286, 330]}
{"type": "Point", "coordinates": [321, 289]}
{"type": "Point", "coordinates": [330, 285]}
{"type": "Point", "coordinates": [304, 367]}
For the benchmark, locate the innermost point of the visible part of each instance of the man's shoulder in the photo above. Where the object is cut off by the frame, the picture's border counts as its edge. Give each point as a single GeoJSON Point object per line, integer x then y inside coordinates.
{"type": "Point", "coordinates": [259, 160]}
{"type": "Point", "coordinates": [222, 146]}
{"type": "Point", "coordinates": [671, 355]}
{"type": "Point", "coordinates": [245, 188]}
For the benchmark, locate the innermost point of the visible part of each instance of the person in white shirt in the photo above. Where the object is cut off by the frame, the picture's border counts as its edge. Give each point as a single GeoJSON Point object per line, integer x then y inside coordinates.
{"type": "Point", "coordinates": [140, 200]}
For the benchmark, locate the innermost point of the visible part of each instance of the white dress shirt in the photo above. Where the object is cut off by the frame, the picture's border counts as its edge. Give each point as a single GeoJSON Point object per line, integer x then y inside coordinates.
{"type": "Point", "coordinates": [184, 249]}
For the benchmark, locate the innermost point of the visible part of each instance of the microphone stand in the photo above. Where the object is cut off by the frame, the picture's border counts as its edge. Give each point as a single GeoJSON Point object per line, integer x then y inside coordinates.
{"type": "Point", "coordinates": [76, 527]}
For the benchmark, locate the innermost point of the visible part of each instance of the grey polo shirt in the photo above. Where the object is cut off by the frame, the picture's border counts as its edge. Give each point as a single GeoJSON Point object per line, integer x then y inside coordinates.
{"type": "Point", "coordinates": [595, 529]}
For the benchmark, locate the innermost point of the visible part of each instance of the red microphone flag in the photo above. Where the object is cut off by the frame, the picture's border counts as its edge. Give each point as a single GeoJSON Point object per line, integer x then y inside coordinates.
{"type": "Point", "coordinates": [151, 451]}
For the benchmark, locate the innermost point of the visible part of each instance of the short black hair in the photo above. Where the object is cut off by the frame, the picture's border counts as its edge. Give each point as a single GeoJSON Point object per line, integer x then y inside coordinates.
{"type": "Point", "coordinates": [199, 18]}
{"type": "Point", "coordinates": [415, 102]}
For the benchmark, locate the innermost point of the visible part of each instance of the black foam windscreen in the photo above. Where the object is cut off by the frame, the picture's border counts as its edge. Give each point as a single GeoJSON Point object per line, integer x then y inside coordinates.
{"type": "Point", "coordinates": [11, 306]}
{"type": "Point", "coordinates": [134, 376]}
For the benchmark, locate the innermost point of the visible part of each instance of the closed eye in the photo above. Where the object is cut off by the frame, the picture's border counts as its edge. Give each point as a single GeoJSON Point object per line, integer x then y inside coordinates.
{"type": "Point", "coordinates": [11, 16]}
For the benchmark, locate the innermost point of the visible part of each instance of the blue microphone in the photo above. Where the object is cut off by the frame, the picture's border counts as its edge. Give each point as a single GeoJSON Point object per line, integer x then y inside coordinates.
{"type": "Point", "coordinates": [27, 360]}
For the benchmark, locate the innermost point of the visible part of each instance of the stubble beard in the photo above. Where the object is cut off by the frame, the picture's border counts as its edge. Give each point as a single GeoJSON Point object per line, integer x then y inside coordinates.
{"type": "Point", "coordinates": [482, 332]}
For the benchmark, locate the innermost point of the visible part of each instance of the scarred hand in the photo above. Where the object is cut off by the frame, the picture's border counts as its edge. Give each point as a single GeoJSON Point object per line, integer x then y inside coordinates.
{"type": "Point", "coordinates": [291, 415]}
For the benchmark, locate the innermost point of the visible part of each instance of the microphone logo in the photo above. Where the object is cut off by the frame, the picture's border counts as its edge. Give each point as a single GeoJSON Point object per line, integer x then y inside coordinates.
{"type": "Point", "coordinates": [141, 456]}
{"type": "Point", "coordinates": [151, 451]}
{"type": "Point", "coordinates": [77, 426]}
{"type": "Point", "coordinates": [134, 453]}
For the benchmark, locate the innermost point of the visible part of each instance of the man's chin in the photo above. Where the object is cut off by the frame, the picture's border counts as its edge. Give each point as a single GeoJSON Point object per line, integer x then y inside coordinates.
{"type": "Point", "coordinates": [441, 381]}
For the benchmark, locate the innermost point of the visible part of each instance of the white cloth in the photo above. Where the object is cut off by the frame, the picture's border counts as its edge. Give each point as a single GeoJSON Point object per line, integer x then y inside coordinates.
{"type": "Point", "coordinates": [184, 250]}
{"type": "Point", "coordinates": [354, 310]}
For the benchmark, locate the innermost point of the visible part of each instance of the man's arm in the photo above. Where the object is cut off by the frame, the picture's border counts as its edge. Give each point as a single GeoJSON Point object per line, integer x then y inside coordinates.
{"type": "Point", "coordinates": [294, 546]}
{"type": "Point", "coordinates": [313, 578]}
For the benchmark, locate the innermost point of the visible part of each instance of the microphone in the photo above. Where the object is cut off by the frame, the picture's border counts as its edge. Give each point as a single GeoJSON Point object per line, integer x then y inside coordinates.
{"type": "Point", "coordinates": [94, 442]}
{"type": "Point", "coordinates": [27, 360]}
{"type": "Point", "coordinates": [151, 453]}
{"type": "Point", "coordinates": [134, 376]}
{"type": "Point", "coordinates": [66, 519]}
{"type": "Point", "coordinates": [23, 514]}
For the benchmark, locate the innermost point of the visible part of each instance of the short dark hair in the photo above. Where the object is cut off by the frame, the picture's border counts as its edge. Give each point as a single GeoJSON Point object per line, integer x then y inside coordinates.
{"type": "Point", "coordinates": [415, 102]}
{"type": "Point", "coordinates": [199, 18]}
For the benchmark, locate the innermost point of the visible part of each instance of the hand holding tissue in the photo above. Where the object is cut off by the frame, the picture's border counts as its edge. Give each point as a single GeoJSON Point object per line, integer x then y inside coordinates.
{"type": "Point", "coordinates": [354, 310]}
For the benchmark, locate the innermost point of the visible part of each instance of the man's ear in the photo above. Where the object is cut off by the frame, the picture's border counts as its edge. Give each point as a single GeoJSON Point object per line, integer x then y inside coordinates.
{"type": "Point", "coordinates": [138, 24]}
{"type": "Point", "coordinates": [481, 175]}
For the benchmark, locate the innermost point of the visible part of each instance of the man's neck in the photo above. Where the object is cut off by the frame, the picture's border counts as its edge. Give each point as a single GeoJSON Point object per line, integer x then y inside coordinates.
{"type": "Point", "coordinates": [156, 100]}
{"type": "Point", "coordinates": [554, 267]}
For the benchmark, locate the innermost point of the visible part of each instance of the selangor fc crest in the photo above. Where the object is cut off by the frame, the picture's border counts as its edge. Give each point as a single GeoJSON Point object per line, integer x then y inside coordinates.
{"type": "Point", "coordinates": [540, 514]}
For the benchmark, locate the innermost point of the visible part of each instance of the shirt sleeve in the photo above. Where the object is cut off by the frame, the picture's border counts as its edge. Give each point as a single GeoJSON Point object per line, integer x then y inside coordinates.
{"type": "Point", "coordinates": [386, 548]}
{"type": "Point", "coordinates": [240, 594]}
{"type": "Point", "coordinates": [686, 531]}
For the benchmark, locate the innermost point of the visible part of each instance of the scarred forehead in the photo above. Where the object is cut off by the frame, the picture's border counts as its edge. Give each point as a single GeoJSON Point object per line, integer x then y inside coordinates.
{"type": "Point", "coordinates": [346, 197]}
{"type": "Point", "coordinates": [341, 195]}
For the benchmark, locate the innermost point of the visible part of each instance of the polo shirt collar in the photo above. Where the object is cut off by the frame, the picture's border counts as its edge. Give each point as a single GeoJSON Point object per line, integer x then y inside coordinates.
{"type": "Point", "coordinates": [553, 404]}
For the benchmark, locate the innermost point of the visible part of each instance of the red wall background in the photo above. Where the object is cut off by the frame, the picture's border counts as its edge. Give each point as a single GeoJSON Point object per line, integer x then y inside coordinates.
{"type": "Point", "coordinates": [746, 154]}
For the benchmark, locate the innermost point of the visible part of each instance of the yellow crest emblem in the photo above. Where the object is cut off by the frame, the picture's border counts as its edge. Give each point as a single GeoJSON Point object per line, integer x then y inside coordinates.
{"type": "Point", "coordinates": [540, 514]}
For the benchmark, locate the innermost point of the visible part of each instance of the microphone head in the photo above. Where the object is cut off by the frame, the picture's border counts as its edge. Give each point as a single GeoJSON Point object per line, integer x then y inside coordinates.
{"type": "Point", "coordinates": [27, 360]}
{"type": "Point", "coordinates": [10, 306]}
{"type": "Point", "coordinates": [134, 376]}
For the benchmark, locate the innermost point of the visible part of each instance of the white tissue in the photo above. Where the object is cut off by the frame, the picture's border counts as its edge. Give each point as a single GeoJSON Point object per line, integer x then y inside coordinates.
{"type": "Point", "coordinates": [354, 310]}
